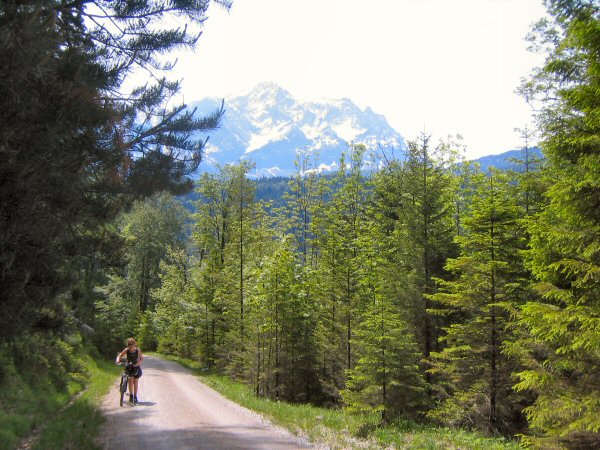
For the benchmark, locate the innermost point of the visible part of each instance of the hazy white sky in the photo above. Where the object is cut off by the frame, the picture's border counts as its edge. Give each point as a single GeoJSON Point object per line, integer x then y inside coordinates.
{"type": "Point", "coordinates": [444, 66]}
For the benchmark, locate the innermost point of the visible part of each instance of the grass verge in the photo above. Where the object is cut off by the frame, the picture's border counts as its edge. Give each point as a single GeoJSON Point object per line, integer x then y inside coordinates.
{"type": "Point", "coordinates": [338, 429]}
{"type": "Point", "coordinates": [40, 413]}
{"type": "Point", "coordinates": [78, 425]}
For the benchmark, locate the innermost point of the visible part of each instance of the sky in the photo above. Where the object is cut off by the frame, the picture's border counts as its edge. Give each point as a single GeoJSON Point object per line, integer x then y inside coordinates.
{"type": "Point", "coordinates": [445, 67]}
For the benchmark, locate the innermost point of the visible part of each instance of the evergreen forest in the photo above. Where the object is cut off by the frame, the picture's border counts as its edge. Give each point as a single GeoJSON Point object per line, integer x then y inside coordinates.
{"type": "Point", "coordinates": [427, 289]}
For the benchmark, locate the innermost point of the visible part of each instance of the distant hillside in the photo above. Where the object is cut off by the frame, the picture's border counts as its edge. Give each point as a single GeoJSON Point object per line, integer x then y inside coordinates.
{"type": "Point", "coordinates": [273, 188]}
{"type": "Point", "coordinates": [506, 160]}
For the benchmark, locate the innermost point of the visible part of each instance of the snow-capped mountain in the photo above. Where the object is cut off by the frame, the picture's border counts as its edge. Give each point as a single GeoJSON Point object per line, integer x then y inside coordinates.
{"type": "Point", "coordinates": [268, 126]}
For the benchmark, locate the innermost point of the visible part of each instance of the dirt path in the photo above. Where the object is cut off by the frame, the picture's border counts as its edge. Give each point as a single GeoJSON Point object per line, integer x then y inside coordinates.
{"type": "Point", "coordinates": [176, 411]}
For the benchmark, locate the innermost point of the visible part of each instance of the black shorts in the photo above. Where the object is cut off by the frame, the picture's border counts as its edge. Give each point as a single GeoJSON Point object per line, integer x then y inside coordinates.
{"type": "Point", "coordinates": [134, 371]}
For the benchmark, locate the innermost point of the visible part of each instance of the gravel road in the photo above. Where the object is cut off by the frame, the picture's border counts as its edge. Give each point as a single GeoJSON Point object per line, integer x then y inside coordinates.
{"type": "Point", "coordinates": [177, 411]}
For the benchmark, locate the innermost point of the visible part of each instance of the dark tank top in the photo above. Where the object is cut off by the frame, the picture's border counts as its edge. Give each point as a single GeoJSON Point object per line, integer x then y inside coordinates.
{"type": "Point", "coordinates": [132, 357]}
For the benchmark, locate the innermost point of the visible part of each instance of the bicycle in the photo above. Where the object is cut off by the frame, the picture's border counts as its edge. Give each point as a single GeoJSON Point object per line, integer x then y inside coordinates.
{"type": "Point", "coordinates": [124, 379]}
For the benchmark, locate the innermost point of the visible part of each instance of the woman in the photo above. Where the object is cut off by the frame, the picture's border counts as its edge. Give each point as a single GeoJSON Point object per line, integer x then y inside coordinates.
{"type": "Point", "coordinates": [134, 362]}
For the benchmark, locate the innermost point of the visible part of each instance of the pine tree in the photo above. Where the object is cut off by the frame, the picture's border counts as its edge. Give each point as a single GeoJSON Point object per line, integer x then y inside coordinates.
{"type": "Point", "coordinates": [75, 148]}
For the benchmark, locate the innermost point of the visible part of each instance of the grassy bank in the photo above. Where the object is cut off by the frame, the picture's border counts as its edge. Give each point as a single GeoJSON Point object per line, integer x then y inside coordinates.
{"type": "Point", "coordinates": [338, 429]}
{"type": "Point", "coordinates": [77, 426]}
{"type": "Point", "coordinates": [53, 407]}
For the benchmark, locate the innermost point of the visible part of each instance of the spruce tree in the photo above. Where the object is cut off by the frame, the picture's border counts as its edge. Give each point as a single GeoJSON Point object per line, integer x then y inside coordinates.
{"type": "Point", "coordinates": [223, 236]}
{"type": "Point", "coordinates": [475, 384]}
{"type": "Point", "coordinates": [210, 236]}
{"type": "Point", "coordinates": [337, 241]}
{"type": "Point", "coordinates": [237, 263]}
{"type": "Point", "coordinates": [425, 230]}
{"type": "Point", "coordinates": [386, 377]}
{"type": "Point", "coordinates": [563, 349]}
{"type": "Point", "coordinates": [284, 324]}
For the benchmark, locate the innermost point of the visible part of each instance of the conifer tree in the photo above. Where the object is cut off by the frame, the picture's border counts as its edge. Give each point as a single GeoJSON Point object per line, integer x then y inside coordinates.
{"type": "Point", "coordinates": [210, 235]}
{"type": "Point", "coordinates": [529, 176]}
{"type": "Point", "coordinates": [386, 377]}
{"type": "Point", "coordinates": [302, 199]}
{"type": "Point", "coordinates": [234, 289]}
{"type": "Point", "coordinates": [223, 230]}
{"type": "Point", "coordinates": [75, 147]}
{"type": "Point", "coordinates": [337, 239]}
{"type": "Point", "coordinates": [426, 232]}
{"type": "Point", "coordinates": [563, 349]}
{"type": "Point", "coordinates": [487, 280]}
{"type": "Point", "coordinates": [257, 363]}
{"type": "Point", "coordinates": [303, 210]}
{"type": "Point", "coordinates": [284, 324]}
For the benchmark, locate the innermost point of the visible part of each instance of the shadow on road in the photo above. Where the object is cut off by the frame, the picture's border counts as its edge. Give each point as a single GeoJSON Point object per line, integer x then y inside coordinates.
{"type": "Point", "coordinates": [145, 404]}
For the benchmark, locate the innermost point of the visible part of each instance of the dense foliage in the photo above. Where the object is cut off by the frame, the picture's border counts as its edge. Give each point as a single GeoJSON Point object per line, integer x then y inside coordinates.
{"type": "Point", "coordinates": [76, 147]}
{"type": "Point", "coordinates": [426, 289]}
{"type": "Point", "coordinates": [562, 346]}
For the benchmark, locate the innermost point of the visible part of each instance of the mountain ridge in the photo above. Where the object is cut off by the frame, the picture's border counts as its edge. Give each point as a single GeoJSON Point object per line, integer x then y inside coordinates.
{"type": "Point", "coordinates": [269, 126]}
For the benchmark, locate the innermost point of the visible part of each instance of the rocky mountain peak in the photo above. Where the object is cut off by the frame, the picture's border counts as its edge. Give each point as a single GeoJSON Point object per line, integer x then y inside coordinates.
{"type": "Point", "coordinates": [269, 126]}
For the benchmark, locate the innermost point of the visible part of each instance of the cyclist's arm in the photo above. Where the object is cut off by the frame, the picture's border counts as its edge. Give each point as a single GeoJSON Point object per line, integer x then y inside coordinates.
{"type": "Point", "coordinates": [118, 360]}
{"type": "Point", "coordinates": [140, 357]}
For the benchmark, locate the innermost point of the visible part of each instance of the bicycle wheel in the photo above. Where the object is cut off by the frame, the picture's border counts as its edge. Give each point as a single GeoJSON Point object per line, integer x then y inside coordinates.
{"type": "Point", "coordinates": [122, 388]}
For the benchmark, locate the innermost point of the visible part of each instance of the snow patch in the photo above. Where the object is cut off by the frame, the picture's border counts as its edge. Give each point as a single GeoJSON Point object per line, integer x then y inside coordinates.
{"type": "Point", "coordinates": [328, 168]}
{"type": "Point", "coordinates": [268, 135]}
{"type": "Point", "coordinates": [312, 132]}
{"type": "Point", "coordinates": [346, 130]}
{"type": "Point", "coordinates": [270, 172]}
{"type": "Point", "coordinates": [322, 168]}
{"type": "Point", "coordinates": [324, 141]}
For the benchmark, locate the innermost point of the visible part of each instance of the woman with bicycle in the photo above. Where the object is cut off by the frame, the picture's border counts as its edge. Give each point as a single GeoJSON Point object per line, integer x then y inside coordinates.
{"type": "Point", "coordinates": [134, 362]}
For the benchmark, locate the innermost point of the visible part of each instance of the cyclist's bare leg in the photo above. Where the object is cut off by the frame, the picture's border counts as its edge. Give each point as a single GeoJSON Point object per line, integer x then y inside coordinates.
{"type": "Point", "coordinates": [131, 381]}
{"type": "Point", "coordinates": [135, 386]}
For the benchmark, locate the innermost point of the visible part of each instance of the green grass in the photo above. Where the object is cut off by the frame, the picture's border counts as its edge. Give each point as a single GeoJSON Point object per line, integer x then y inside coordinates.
{"type": "Point", "coordinates": [341, 430]}
{"type": "Point", "coordinates": [27, 400]}
{"type": "Point", "coordinates": [77, 426]}
{"type": "Point", "coordinates": [38, 406]}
